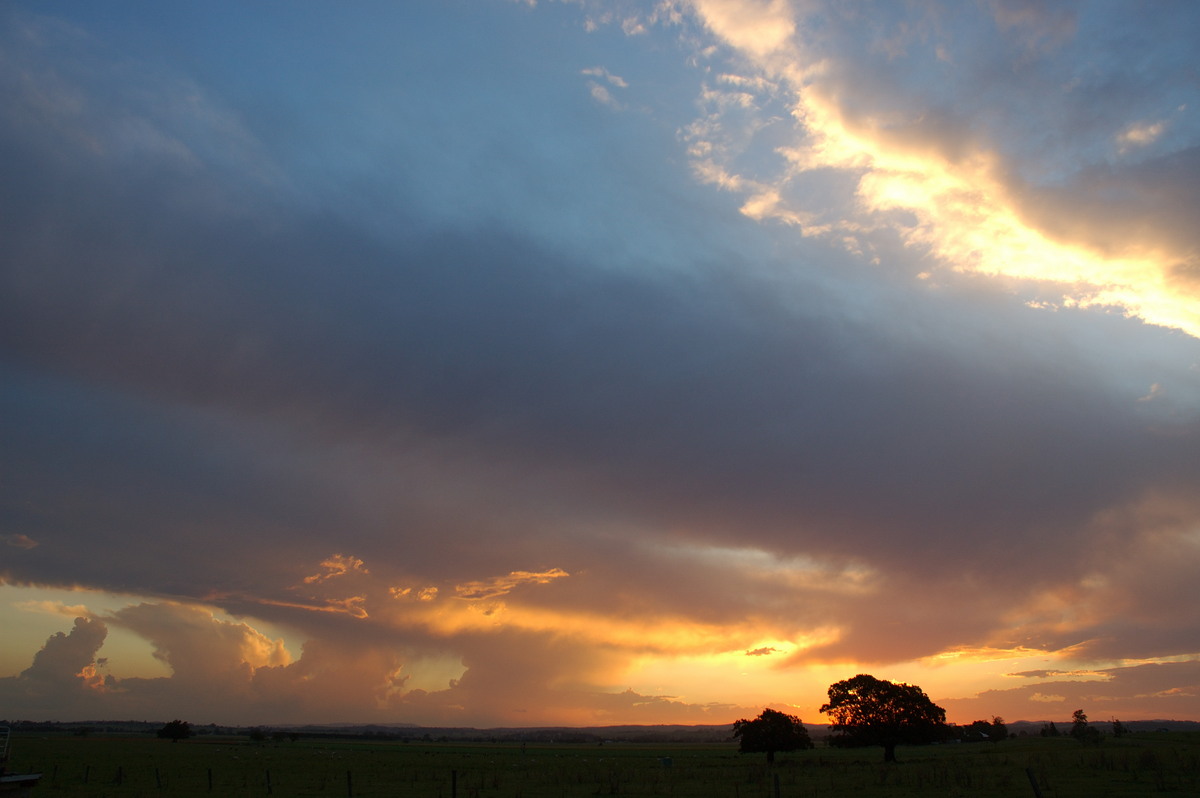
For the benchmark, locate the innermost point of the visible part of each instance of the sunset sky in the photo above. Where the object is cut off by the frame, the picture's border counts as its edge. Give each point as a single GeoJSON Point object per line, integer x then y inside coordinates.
{"type": "Point", "coordinates": [494, 363]}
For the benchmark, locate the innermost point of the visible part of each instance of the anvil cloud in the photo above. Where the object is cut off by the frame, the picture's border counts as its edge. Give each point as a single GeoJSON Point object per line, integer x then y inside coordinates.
{"type": "Point", "coordinates": [505, 363]}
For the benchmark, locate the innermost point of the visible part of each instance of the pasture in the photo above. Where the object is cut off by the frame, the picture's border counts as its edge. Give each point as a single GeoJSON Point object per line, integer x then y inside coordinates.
{"type": "Point", "coordinates": [1163, 763]}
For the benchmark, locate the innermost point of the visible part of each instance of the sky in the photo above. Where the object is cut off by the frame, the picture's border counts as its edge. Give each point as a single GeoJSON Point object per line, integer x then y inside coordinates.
{"type": "Point", "coordinates": [502, 363]}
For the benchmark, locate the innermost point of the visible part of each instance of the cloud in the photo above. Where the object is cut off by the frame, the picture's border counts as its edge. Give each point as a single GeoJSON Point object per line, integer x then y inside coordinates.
{"type": "Point", "coordinates": [502, 585]}
{"type": "Point", "coordinates": [1045, 674]}
{"type": "Point", "coordinates": [1136, 692]}
{"type": "Point", "coordinates": [54, 608]}
{"type": "Point", "coordinates": [198, 647]}
{"type": "Point", "coordinates": [1034, 25]}
{"type": "Point", "coordinates": [604, 74]}
{"type": "Point", "coordinates": [944, 182]}
{"type": "Point", "coordinates": [65, 658]}
{"type": "Point", "coordinates": [760, 27]}
{"type": "Point", "coordinates": [557, 412]}
{"type": "Point", "coordinates": [1047, 699]}
{"type": "Point", "coordinates": [228, 672]}
{"type": "Point", "coordinates": [602, 93]}
{"type": "Point", "coordinates": [335, 566]}
{"type": "Point", "coordinates": [1140, 134]}
{"type": "Point", "coordinates": [762, 652]}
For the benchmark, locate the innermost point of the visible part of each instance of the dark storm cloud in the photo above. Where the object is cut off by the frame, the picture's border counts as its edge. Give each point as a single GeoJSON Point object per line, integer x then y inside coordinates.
{"type": "Point", "coordinates": [704, 399]}
{"type": "Point", "coordinates": [701, 399]}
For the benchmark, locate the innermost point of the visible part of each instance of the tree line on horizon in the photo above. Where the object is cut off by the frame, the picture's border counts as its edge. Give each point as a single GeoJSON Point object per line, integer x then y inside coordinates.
{"type": "Point", "coordinates": [866, 711]}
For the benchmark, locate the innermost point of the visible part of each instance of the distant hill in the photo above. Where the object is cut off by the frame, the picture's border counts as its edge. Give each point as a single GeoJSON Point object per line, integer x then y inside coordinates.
{"type": "Point", "coordinates": [544, 734]}
{"type": "Point", "coordinates": [408, 732]}
{"type": "Point", "coordinates": [1035, 727]}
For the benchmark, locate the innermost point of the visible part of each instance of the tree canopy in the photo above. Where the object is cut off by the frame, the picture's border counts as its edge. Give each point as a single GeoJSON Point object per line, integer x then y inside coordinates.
{"type": "Point", "coordinates": [869, 711]}
{"type": "Point", "coordinates": [176, 730]}
{"type": "Point", "coordinates": [992, 731]}
{"type": "Point", "coordinates": [770, 732]}
{"type": "Point", "coordinates": [1081, 730]}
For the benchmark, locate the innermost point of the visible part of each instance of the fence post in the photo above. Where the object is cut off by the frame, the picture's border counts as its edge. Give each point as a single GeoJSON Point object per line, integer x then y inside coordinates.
{"type": "Point", "coordinates": [349, 786]}
{"type": "Point", "coordinates": [1033, 782]}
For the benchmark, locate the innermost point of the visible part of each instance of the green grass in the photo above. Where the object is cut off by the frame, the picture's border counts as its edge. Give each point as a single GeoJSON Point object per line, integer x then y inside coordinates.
{"type": "Point", "coordinates": [125, 767]}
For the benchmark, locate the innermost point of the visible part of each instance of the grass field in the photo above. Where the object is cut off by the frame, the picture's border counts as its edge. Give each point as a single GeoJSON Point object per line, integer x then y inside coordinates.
{"type": "Point", "coordinates": [123, 767]}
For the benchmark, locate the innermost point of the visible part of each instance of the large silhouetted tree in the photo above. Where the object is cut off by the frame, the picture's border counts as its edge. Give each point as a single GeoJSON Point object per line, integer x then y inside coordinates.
{"type": "Point", "coordinates": [870, 711]}
{"type": "Point", "coordinates": [770, 732]}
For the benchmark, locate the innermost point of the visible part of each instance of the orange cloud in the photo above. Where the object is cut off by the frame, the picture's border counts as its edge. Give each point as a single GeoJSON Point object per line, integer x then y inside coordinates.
{"type": "Point", "coordinates": [335, 566]}
{"type": "Point", "coordinates": [501, 585]}
{"type": "Point", "coordinates": [352, 605]}
{"type": "Point", "coordinates": [55, 608]}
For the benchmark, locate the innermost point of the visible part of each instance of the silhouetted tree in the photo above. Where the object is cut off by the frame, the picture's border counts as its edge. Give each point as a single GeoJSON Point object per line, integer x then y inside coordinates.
{"type": "Point", "coordinates": [175, 731]}
{"type": "Point", "coordinates": [1080, 729]}
{"type": "Point", "coordinates": [870, 711]}
{"type": "Point", "coordinates": [770, 732]}
{"type": "Point", "coordinates": [1049, 730]}
{"type": "Point", "coordinates": [1118, 728]}
{"type": "Point", "coordinates": [977, 732]}
{"type": "Point", "coordinates": [992, 731]}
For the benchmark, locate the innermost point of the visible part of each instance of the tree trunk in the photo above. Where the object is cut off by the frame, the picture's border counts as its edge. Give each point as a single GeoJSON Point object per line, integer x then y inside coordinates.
{"type": "Point", "coordinates": [889, 752]}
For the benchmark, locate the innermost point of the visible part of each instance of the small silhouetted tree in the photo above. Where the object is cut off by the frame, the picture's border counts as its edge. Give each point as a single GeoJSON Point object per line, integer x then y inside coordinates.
{"type": "Point", "coordinates": [1118, 728]}
{"type": "Point", "coordinates": [999, 730]}
{"type": "Point", "coordinates": [1049, 730]}
{"type": "Point", "coordinates": [770, 732]}
{"type": "Point", "coordinates": [1081, 730]}
{"type": "Point", "coordinates": [175, 731]}
{"type": "Point", "coordinates": [869, 711]}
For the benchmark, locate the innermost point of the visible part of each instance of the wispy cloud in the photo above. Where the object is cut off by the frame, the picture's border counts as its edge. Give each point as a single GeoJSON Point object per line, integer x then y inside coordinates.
{"type": "Point", "coordinates": [502, 585]}
{"type": "Point", "coordinates": [335, 566]}
{"type": "Point", "coordinates": [762, 652]}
